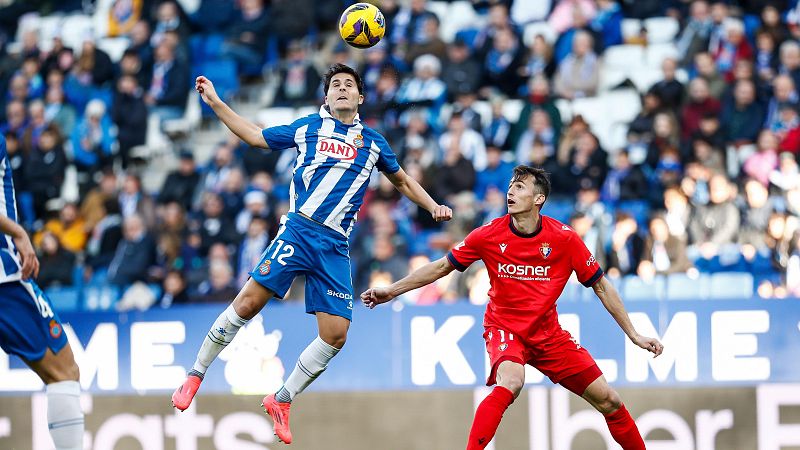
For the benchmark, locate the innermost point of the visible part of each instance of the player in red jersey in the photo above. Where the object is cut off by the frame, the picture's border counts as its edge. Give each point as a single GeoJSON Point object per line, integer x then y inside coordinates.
{"type": "Point", "coordinates": [530, 257]}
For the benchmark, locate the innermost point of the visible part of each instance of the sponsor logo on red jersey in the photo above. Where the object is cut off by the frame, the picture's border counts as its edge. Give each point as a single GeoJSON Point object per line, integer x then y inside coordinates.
{"type": "Point", "coordinates": [522, 272]}
{"type": "Point", "coordinates": [337, 149]}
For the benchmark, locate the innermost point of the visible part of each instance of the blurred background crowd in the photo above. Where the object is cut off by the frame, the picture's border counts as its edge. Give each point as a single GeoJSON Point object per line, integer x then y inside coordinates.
{"type": "Point", "coordinates": [670, 129]}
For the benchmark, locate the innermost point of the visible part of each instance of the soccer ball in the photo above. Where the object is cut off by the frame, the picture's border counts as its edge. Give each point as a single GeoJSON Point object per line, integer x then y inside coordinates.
{"type": "Point", "coordinates": [362, 25]}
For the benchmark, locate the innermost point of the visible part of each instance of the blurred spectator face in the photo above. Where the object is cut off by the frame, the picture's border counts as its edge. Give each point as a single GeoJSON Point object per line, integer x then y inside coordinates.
{"type": "Point", "coordinates": [108, 183]}
{"type": "Point", "coordinates": [456, 124]}
{"type": "Point", "coordinates": [49, 244]}
{"type": "Point", "coordinates": [47, 141]}
{"type": "Point", "coordinates": [54, 96]}
{"type": "Point", "coordinates": [218, 252]}
{"type": "Point", "coordinates": [659, 229]}
{"type": "Point", "coordinates": [622, 162]}
{"type": "Point", "coordinates": [173, 215]}
{"type": "Point", "coordinates": [95, 110]}
{"type": "Point", "coordinates": [296, 53]}
{"type": "Point", "coordinates": [416, 125]}
{"type": "Point", "coordinates": [770, 16]}
{"type": "Point", "coordinates": [790, 55]}
{"type": "Point", "coordinates": [702, 149]}
{"type": "Point", "coordinates": [581, 44]}
{"type": "Point", "coordinates": [186, 166]}
{"type": "Point", "coordinates": [588, 196]}
{"type": "Point", "coordinates": [127, 85]}
{"type": "Point", "coordinates": [539, 86]}
{"type": "Point", "coordinates": [224, 156]}
{"type": "Point", "coordinates": [375, 55]}
{"type": "Point", "coordinates": [30, 40]}
{"type": "Point", "coordinates": [720, 189]}
{"type": "Point", "coordinates": [626, 225]}
{"type": "Point", "coordinates": [262, 181]}
{"type": "Point", "coordinates": [250, 7]}
{"type": "Point", "coordinates": [788, 114]}
{"type": "Point", "coordinates": [540, 121]}
{"type": "Point", "coordinates": [744, 93]}
{"type": "Point", "coordinates": [167, 12]}
{"type": "Point", "coordinates": [431, 29]}
{"type": "Point", "coordinates": [68, 214]}
{"type": "Point", "coordinates": [704, 63]}
{"type": "Point", "coordinates": [235, 181]}
{"type": "Point", "coordinates": [735, 31]}
{"type": "Point", "coordinates": [586, 143]}
{"type": "Point", "coordinates": [767, 141]}
{"type": "Point", "coordinates": [256, 228]}
{"type": "Point", "coordinates": [174, 283]}
{"type": "Point", "coordinates": [164, 52]}
{"type": "Point", "coordinates": [651, 102]}
{"type": "Point", "coordinates": [30, 67]}
{"type": "Point", "coordinates": [743, 70]}
{"type": "Point", "coordinates": [581, 224]}
{"type": "Point", "coordinates": [382, 249]}
{"type": "Point", "coordinates": [540, 46]}
{"type": "Point", "coordinates": [498, 16]}
{"type": "Point", "coordinates": [719, 12]}
{"type": "Point", "coordinates": [12, 144]}
{"type": "Point", "coordinates": [457, 52]}
{"type": "Point", "coordinates": [418, 6]}
{"type": "Point", "coordinates": [698, 90]}
{"type": "Point", "coordinates": [18, 87]}
{"type": "Point", "coordinates": [764, 42]}
{"type": "Point", "coordinates": [220, 275]}
{"type": "Point", "coordinates": [36, 112]}
{"type": "Point", "coordinates": [783, 88]}
{"type": "Point", "coordinates": [131, 185]}
{"type": "Point", "coordinates": [663, 125]}
{"type": "Point", "coordinates": [776, 227]}
{"type": "Point", "coordinates": [699, 11]}
{"type": "Point", "coordinates": [709, 125]}
{"type": "Point", "coordinates": [493, 156]}
{"type": "Point", "coordinates": [756, 193]}
{"type": "Point", "coordinates": [674, 199]}
{"type": "Point", "coordinates": [55, 79]}
{"type": "Point", "coordinates": [133, 228]}
{"type": "Point", "coordinates": [427, 67]}
{"type": "Point", "coordinates": [212, 206]}
{"type": "Point", "coordinates": [668, 68]}
{"type": "Point", "coordinates": [140, 33]}
{"type": "Point", "coordinates": [130, 63]}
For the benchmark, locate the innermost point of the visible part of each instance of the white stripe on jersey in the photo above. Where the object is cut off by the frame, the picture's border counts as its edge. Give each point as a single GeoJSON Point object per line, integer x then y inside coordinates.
{"type": "Point", "coordinates": [328, 182]}
{"type": "Point", "coordinates": [302, 145]}
{"type": "Point", "coordinates": [336, 222]}
{"type": "Point", "coordinates": [326, 129]}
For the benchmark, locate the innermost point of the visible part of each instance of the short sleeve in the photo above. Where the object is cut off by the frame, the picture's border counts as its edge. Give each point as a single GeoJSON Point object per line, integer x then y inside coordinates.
{"type": "Point", "coordinates": [283, 136]}
{"type": "Point", "coordinates": [584, 263]}
{"type": "Point", "coordinates": [466, 252]}
{"type": "Point", "coordinates": [387, 160]}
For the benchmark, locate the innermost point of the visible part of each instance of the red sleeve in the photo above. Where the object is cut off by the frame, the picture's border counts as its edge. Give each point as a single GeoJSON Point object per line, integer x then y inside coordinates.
{"type": "Point", "coordinates": [467, 251]}
{"type": "Point", "coordinates": [583, 262]}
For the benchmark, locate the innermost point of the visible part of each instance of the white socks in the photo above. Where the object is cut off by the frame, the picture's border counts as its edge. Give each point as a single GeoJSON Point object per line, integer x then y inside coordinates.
{"type": "Point", "coordinates": [310, 365]}
{"type": "Point", "coordinates": [64, 415]}
{"type": "Point", "coordinates": [219, 336]}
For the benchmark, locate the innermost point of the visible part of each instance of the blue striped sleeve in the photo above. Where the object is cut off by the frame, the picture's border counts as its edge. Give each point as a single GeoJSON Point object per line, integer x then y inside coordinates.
{"type": "Point", "coordinates": [283, 136]}
{"type": "Point", "coordinates": [387, 160]}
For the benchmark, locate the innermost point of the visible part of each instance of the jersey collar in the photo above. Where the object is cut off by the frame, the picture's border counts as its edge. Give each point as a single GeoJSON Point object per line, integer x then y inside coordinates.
{"type": "Point", "coordinates": [323, 112]}
{"type": "Point", "coordinates": [521, 234]}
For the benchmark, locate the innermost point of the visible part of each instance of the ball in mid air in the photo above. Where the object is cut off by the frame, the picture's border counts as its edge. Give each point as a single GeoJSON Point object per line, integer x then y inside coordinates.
{"type": "Point", "coordinates": [362, 25]}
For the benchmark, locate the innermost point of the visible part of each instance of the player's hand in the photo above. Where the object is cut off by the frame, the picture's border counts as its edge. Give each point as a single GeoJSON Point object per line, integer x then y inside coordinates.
{"type": "Point", "coordinates": [442, 213]}
{"type": "Point", "coordinates": [30, 264]}
{"type": "Point", "coordinates": [375, 296]}
{"type": "Point", "coordinates": [650, 344]}
{"type": "Point", "coordinates": [206, 89]}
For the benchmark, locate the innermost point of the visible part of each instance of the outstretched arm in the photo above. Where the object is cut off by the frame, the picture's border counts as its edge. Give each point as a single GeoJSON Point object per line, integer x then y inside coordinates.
{"type": "Point", "coordinates": [610, 298]}
{"type": "Point", "coordinates": [247, 131]}
{"type": "Point", "coordinates": [411, 189]}
{"type": "Point", "coordinates": [426, 274]}
{"type": "Point", "coordinates": [30, 264]}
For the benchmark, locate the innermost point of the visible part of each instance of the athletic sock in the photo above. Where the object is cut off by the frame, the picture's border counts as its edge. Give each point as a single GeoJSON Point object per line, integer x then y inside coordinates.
{"type": "Point", "coordinates": [312, 362]}
{"type": "Point", "coordinates": [219, 336]}
{"type": "Point", "coordinates": [487, 417]}
{"type": "Point", "coordinates": [623, 429]}
{"type": "Point", "coordinates": [64, 415]}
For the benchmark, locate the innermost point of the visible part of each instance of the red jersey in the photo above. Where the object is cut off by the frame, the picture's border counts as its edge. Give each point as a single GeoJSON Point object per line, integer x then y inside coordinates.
{"type": "Point", "coordinates": [527, 272]}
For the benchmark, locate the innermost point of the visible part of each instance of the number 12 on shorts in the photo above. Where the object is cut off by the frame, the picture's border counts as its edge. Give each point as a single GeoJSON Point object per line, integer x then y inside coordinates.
{"type": "Point", "coordinates": [288, 251]}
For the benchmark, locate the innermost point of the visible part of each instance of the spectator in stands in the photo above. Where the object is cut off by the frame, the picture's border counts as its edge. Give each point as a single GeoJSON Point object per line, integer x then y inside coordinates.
{"type": "Point", "coordinates": [93, 143]}
{"type": "Point", "coordinates": [780, 229]}
{"type": "Point", "coordinates": [59, 58]}
{"type": "Point", "coordinates": [180, 184]}
{"type": "Point", "coordinates": [563, 16]}
{"type": "Point", "coordinates": [169, 18]}
{"type": "Point", "coordinates": [719, 15]}
{"type": "Point", "coordinates": [783, 91]}
{"type": "Point", "coordinates": [45, 166]}
{"type": "Point", "coordinates": [786, 125]}
{"type": "Point", "coordinates": [255, 241]}
{"type": "Point", "coordinates": [668, 89]}
{"type": "Point", "coordinates": [666, 136]}
{"type": "Point", "coordinates": [425, 91]}
{"type": "Point", "coordinates": [92, 205]}
{"type": "Point", "coordinates": [140, 44]}
{"type": "Point", "coordinates": [625, 251]}
{"type": "Point", "coordinates": [790, 60]}
{"type": "Point", "coordinates": [134, 255]}
{"type": "Point", "coordinates": [16, 119]}
{"type": "Point", "coordinates": [772, 24]}
{"type": "Point", "coordinates": [498, 129]}
{"type": "Point", "coordinates": [129, 113]}
{"type": "Point", "coordinates": [175, 290]}
{"type": "Point", "coordinates": [742, 121]}
{"type": "Point", "coordinates": [607, 24]}
{"type": "Point", "coordinates": [766, 58]}
{"type": "Point", "coordinates": [455, 173]}
{"type": "Point", "coordinates": [539, 130]}
{"type": "Point", "coordinates": [245, 40]}
{"type": "Point", "coordinates": [131, 64]}
{"type": "Point", "coordinates": [212, 225]}
{"type": "Point", "coordinates": [787, 176]}
{"type": "Point", "coordinates": [694, 37]}
{"type": "Point", "coordinates": [705, 68]}
{"type": "Point", "coordinates": [587, 160]}
{"type": "Point", "coordinates": [538, 98]}
{"type": "Point", "coordinates": [429, 42]}
{"type": "Point", "coordinates": [578, 74]}
{"type": "Point", "coordinates": [662, 252]}
{"type": "Point", "coordinates": [385, 259]}
{"type": "Point", "coordinates": [496, 174]}
{"type": "Point", "coordinates": [58, 111]}
{"type": "Point", "coordinates": [30, 70]}
{"type": "Point", "coordinates": [591, 235]}
{"type": "Point", "coordinates": [503, 62]}
{"type": "Point", "coordinates": [16, 160]}
{"type": "Point", "coordinates": [711, 130]}
{"type": "Point", "coordinates": [57, 264]}
{"type": "Point", "coordinates": [19, 88]}
{"type": "Point", "coordinates": [36, 125]}
{"type": "Point", "coordinates": [465, 140]}
{"type": "Point", "coordinates": [168, 89]}
{"type": "Point", "coordinates": [756, 208]}
{"type": "Point", "coordinates": [717, 223]}
{"type": "Point", "coordinates": [408, 26]}
{"type": "Point", "coordinates": [677, 213]}
{"type": "Point", "coordinates": [461, 74]}
{"type": "Point", "coordinates": [94, 66]}
{"type": "Point", "coordinates": [232, 193]}
{"type": "Point", "coordinates": [299, 79]}
{"type": "Point", "coordinates": [219, 168]}
{"type": "Point", "coordinates": [761, 163]}
{"type": "Point", "coordinates": [256, 205]}
{"type": "Point", "coordinates": [219, 287]}
{"type": "Point", "coordinates": [624, 181]}
{"type": "Point", "coordinates": [539, 59]}
{"type": "Point", "coordinates": [707, 155]}
{"type": "Point", "coordinates": [465, 102]}
{"type": "Point", "coordinates": [134, 201]}
{"type": "Point", "coordinates": [732, 48]}
{"type": "Point", "coordinates": [699, 105]}
{"type": "Point", "coordinates": [69, 228]}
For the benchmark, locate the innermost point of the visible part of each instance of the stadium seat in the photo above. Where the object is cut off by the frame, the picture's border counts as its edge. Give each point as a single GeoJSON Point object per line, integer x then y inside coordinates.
{"type": "Point", "coordinates": [512, 108]}
{"type": "Point", "coordinates": [100, 297]}
{"type": "Point", "coordinates": [631, 28]}
{"type": "Point", "coordinates": [657, 53]}
{"type": "Point", "coordinates": [537, 28]}
{"type": "Point", "coordinates": [681, 286]}
{"type": "Point", "coordinates": [276, 116]}
{"type": "Point", "coordinates": [611, 77]}
{"type": "Point", "coordinates": [75, 29]}
{"type": "Point", "coordinates": [635, 288]}
{"type": "Point", "coordinates": [460, 14]}
{"type": "Point", "coordinates": [564, 109]}
{"type": "Point", "coordinates": [440, 9]}
{"type": "Point", "coordinates": [115, 47]}
{"type": "Point", "coordinates": [623, 56]}
{"type": "Point", "coordinates": [731, 285]}
{"type": "Point", "coordinates": [645, 77]}
{"type": "Point", "coordinates": [64, 299]}
{"type": "Point", "coordinates": [623, 105]}
{"type": "Point", "coordinates": [661, 29]}
{"type": "Point", "coordinates": [191, 119]}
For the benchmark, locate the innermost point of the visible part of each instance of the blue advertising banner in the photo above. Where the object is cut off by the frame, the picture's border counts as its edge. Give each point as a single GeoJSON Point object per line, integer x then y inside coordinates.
{"type": "Point", "coordinates": [396, 347]}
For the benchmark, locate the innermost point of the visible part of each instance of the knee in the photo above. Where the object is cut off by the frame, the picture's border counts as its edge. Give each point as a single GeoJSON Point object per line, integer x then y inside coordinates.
{"type": "Point", "coordinates": [513, 383]}
{"type": "Point", "coordinates": [335, 338]}
{"type": "Point", "coordinates": [247, 304]}
{"type": "Point", "coordinates": [609, 402]}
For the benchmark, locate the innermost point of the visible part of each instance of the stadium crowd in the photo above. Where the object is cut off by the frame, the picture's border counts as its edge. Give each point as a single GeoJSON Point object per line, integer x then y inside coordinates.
{"type": "Point", "coordinates": [706, 179]}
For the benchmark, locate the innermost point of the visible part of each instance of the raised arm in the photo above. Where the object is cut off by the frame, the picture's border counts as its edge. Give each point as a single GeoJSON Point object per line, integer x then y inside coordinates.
{"type": "Point", "coordinates": [30, 264]}
{"type": "Point", "coordinates": [247, 131]}
{"type": "Point", "coordinates": [610, 298]}
{"type": "Point", "coordinates": [411, 189]}
{"type": "Point", "coordinates": [426, 274]}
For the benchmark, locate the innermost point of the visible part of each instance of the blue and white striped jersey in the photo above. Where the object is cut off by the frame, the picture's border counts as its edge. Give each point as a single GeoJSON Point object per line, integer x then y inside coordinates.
{"type": "Point", "coordinates": [333, 167]}
{"type": "Point", "coordinates": [9, 258]}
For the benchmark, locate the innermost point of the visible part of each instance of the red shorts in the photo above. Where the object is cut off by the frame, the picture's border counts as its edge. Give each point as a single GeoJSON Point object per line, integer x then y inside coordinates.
{"type": "Point", "coordinates": [560, 358]}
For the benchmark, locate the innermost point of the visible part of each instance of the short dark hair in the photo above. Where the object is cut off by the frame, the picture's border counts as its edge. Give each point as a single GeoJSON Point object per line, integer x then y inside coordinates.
{"type": "Point", "coordinates": [342, 68]}
{"type": "Point", "coordinates": [541, 179]}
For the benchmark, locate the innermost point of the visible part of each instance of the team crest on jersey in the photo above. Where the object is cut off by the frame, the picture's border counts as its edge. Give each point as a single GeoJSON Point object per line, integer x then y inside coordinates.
{"type": "Point", "coordinates": [337, 149]}
{"type": "Point", "coordinates": [545, 249]}
{"type": "Point", "coordinates": [55, 329]}
{"type": "Point", "coordinates": [264, 268]}
{"type": "Point", "coordinates": [502, 346]}
{"type": "Point", "coordinates": [358, 141]}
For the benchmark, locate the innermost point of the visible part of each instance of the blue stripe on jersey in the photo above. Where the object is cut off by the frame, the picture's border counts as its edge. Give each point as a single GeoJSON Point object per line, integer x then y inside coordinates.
{"type": "Point", "coordinates": [344, 184]}
{"type": "Point", "coordinates": [10, 266]}
{"type": "Point", "coordinates": [8, 189]}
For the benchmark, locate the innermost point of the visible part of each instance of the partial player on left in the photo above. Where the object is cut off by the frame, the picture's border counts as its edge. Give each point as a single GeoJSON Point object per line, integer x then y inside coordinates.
{"type": "Point", "coordinates": [29, 327]}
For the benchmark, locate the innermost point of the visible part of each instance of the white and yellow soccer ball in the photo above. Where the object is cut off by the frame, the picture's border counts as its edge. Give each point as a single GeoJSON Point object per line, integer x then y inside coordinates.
{"type": "Point", "coordinates": [362, 25]}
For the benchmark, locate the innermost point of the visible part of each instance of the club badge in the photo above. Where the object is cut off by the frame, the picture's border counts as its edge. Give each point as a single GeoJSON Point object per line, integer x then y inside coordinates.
{"type": "Point", "coordinates": [545, 249]}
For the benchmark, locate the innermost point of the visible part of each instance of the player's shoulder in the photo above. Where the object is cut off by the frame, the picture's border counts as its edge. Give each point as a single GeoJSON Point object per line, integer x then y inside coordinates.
{"type": "Point", "coordinates": [493, 226]}
{"type": "Point", "coordinates": [556, 228]}
{"type": "Point", "coordinates": [307, 119]}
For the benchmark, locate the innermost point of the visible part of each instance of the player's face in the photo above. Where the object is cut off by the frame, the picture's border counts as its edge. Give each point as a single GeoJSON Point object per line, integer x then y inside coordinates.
{"type": "Point", "coordinates": [343, 93]}
{"type": "Point", "coordinates": [522, 196]}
